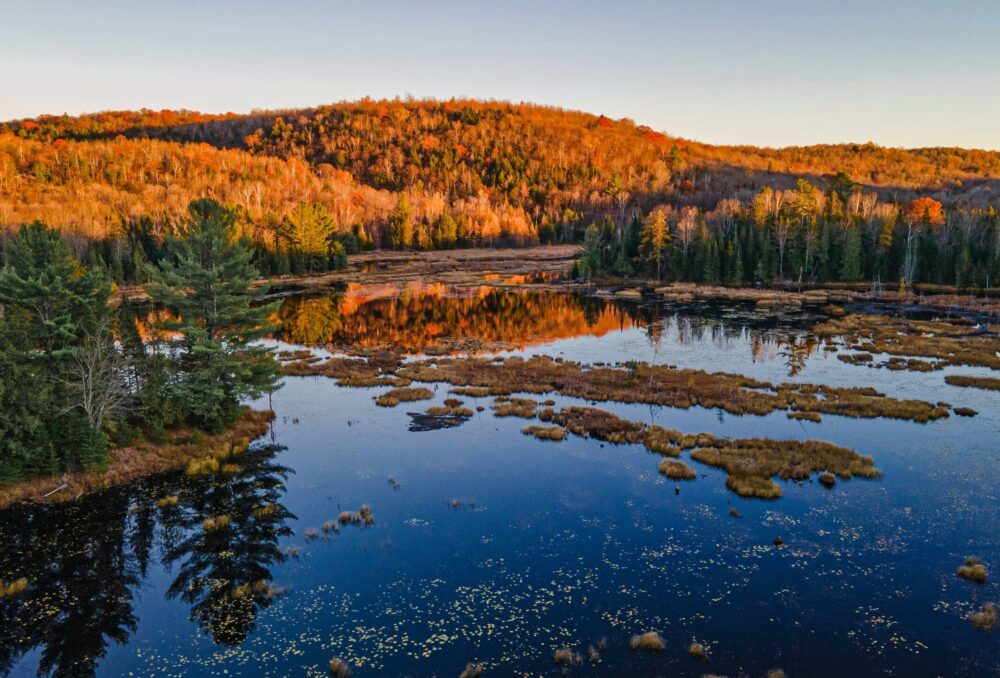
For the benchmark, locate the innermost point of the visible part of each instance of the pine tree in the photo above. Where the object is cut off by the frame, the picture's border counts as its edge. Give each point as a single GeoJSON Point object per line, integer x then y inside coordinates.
{"type": "Point", "coordinates": [401, 224]}
{"type": "Point", "coordinates": [851, 265]}
{"type": "Point", "coordinates": [205, 281]}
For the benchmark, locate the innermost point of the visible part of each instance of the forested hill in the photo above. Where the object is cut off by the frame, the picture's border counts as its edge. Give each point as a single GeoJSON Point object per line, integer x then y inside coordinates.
{"type": "Point", "coordinates": [429, 174]}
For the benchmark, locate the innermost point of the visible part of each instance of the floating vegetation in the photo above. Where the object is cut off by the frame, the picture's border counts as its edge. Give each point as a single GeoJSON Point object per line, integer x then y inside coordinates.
{"type": "Point", "coordinates": [215, 523]}
{"type": "Point", "coordinates": [471, 671]}
{"type": "Point", "coordinates": [664, 385]}
{"type": "Point", "coordinates": [806, 416]}
{"type": "Point", "coordinates": [985, 383]}
{"type": "Point", "coordinates": [310, 534]}
{"type": "Point", "coordinates": [471, 391]}
{"type": "Point", "coordinates": [593, 656]}
{"type": "Point", "coordinates": [677, 470]}
{"type": "Point", "coordinates": [752, 486]}
{"type": "Point", "coordinates": [452, 408]}
{"type": "Point", "coordinates": [545, 432]}
{"type": "Point", "coordinates": [339, 669]}
{"type": "Point", "coordinates": [949, 343]}
{"type": "Point", "coordinates": [375, 370]}
{"type": "Point", "coordinates": [965, 412]}
{"type": "Point", "coordinates": [827, 479]}
{"type": "Point", "coordinates": [363, 517]}
{"type": "Point", "coordinates": [11, 589]}
{"type": "Point", "coordinates": [393, 483]}
{"type": "Point", "coordinates": [564, 656]}
{"type": "Point", "coordinates": [504, 406]}
{"type": "Point", "coordinates": [776, 673]}
{"type": "Point", "coordinates": [696, 650]}
{"type": "Point", "coordinates": [405, 394]}
{"type": "Point", "coordinates": [167, 502]}
{"type": "Point", "coordinates": [986, 618]}
{"type": "Point", "coordinates": [651, 641]}
{"type": "Point", "coordinates": [735, 513]}
{"type": "Point", "coordinates": [330, 526]}
{"type": "Point", "coordinates": [973, 570]}
{"type": "Point", "coordinates": [855, 358]}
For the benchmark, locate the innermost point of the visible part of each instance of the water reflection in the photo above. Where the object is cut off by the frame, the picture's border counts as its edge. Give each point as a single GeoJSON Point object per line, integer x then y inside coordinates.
{"type": "Point", "coordinates": [422, 318]}
{"type": "Point", "coordinates": [84, 562]}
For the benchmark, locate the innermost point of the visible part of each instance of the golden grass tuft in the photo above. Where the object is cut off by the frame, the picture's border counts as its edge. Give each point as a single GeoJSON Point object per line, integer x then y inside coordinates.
{"type": "Point", "coordinates": [471, 671]}
{"type": "Point", "coordinates": [651, 641]}
{"type": "Point", "coordinates": [11, 589]}
{"type": "Point", "coordinates": [215, 523]}
{"type": "Point", "coordinates": [677, 470]}
{"type": "Point", "coordinates": [504, 406]}
{"type": "Point", "coordinates": [564, 656]}
{"type": "Point", "coordinates": [753, 486]}
{"type": "Point", "coordinates": [168, 502]}
{"type": "Point", "coordinates": [545, 432]}
{"type": "Point", "coordinates": [405, 394]}
{"type": "Point", "coordinates": [973, 570]}
{"type": "Point", "coordinates": [363, 517]}
{"type": "Point", "coordinates": [806, 416]}
{"type": "Point", "coordinates": [985, 383]}
{"type": "Point", "coordinates": [986, 618]}
{"type": "Point", "coordinates": [696, 650]}
{"type": "Point", "coordinates": [339, 669]}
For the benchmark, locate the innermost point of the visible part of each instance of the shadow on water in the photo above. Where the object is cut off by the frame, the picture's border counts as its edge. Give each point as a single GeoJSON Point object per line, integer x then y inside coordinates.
{"type": "Point", "coordinates": [85, 561]}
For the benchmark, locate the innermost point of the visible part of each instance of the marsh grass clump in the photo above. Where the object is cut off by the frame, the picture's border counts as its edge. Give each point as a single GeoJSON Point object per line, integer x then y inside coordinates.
{"type": "Point", "coordinates": [545, 432]}
{"type": "Point", "coordinates": [330, 526]}
{"type": "Point", "coordinates": [593, 656]}
{"type": "Point", "coordinates": [215, 523]}
{"type": "Point", "coordinates": [311, 533]}
{"type": "Point", "coordinates": [965, 412]}
{"type": "Point", "coordinates": [452, 408]}
{"type": "Point", "coordinates": [168, 502]}
{"type": "Point", "coordinates": [776, 673]}
{"type": "Point", "coordinates": [11, 589]}
{"type": "Point", "coordinates": [651, 641]}
{"type": "Point", "coordinates": [827, 479]}
{"type": "Point", "coordinates": [696, 650]}
{"type": "Point", "coordinates": [471, 671]}
{"type": "Point", "coordinates": [753, 486]}
{"type": "Point", "coordinates": [677, 470]}
{"type": "Point", "coordinates": [806, 416]}
{"type": "Point", "coordinates": [405, 394]}
{"type": "Point", "coordinates": [362, 517]}
{"type": "Point", "coordinates": [504, 406]}
{"type": "Point", "coordinates": [471, 391]}
{"type": "Point", "coordinates": [855, 358]}
{"type": "Point", "coordinates": [985, 383]}
{"type": "Point", "coordinates": [339, 669]}
{"type": "Point", "coordinates": [973, 570]}
{"type": "Point", "coordinates": [986, 618]}
{"type": "Point", "coordinates": [564, 656]}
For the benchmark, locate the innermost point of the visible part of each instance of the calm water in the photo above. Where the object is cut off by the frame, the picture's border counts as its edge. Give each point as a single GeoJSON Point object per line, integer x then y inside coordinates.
{"type": "Point", "coordinates": [548, 544]}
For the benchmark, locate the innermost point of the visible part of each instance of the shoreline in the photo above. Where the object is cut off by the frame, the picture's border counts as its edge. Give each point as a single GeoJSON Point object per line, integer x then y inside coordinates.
{"type": "Point", "coordinates": [133, 463]}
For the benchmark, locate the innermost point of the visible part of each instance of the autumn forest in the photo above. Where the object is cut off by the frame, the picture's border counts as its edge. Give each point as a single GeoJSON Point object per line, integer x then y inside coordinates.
{"type": "Point", "coordinates": [312, 186]}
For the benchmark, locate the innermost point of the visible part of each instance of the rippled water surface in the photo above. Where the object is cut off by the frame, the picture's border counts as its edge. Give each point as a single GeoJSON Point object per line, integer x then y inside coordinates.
{"type": "Point", "coordinates": [496, 548]}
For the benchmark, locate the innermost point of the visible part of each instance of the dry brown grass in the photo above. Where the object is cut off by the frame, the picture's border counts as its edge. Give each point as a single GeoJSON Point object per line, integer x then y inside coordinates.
{"type": "Point", "coordinates": [545, 432]}
{"type": "Point", "coordinates": [471, 671]}
{"type": "Point", "coordinates": [986, 618]}
{"type": "Point", "coordinates": [504, 406]}
{"type": "Point", "coordinates": [677, 470]}
{"type": "Point", "coordinates": [985, 383]}
{"type": "Point", "coordinates": [696, 650]}
{"type": "Point", "coordinates": [406, 394]}
{"type": "Point", "coordinates": [973, 570]}
{"type": "Point", "coordinates": [13, 588]}
{"type": "Point", "coordinates": [806, 416]}
{"type": "Point", "coordinates": [362, 517]}
{"type": "Point", "coordinates": [756, 487]}
{"type": "Point", "coordinates": [452, 408]}
{"type": "Point", "coordinates": [663, 385]}
{"type": "Point", "coordinates": [339, 669]}
{"type": "Point", "coordinates": [143, 459]}
{"type": "Point", "coordinates": [564, 656]}
{"type": "Point", "coordinates": [651, 641]}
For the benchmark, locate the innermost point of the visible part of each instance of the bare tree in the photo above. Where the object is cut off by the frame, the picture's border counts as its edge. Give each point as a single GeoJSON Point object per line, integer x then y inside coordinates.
{"type": "Point", "coordinates": [99, 379]}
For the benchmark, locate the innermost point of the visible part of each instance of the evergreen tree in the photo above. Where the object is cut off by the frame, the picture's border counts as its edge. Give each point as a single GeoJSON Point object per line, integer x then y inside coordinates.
{"type": "Point", "coordinates": [850, 268]}
{"type": "Point", "coordinates": [206, 282]}
{"type": "Point", "coordinates": [401, 224]}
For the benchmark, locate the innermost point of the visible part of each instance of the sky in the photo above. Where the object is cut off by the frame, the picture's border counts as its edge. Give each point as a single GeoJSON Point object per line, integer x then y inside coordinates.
{"type": "Point", "coordinates": [761, 72]}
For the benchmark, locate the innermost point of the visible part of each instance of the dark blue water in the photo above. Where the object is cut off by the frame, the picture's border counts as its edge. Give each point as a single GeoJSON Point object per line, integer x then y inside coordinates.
{"type": "Point", "coordinates": [495, 548]}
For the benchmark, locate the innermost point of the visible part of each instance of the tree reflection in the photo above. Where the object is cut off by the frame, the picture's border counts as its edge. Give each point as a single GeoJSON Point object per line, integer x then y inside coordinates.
{"type": "Point", "coordinates": [81, 578]}
{"type": "Point", "coordinates": [225, 574]}
{"type": "Point", "coordinates": [85, 560]}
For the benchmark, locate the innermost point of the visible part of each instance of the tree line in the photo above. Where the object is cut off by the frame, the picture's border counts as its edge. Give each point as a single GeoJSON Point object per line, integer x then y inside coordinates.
{"type": "Point", "coordinates": [806, 235]}
{"type": "Point", "coordinates": [76, 375]}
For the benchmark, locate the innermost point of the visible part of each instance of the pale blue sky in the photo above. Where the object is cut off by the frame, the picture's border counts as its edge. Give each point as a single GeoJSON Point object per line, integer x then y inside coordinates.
{"type": "Point", "coordinates": [766, 72]}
